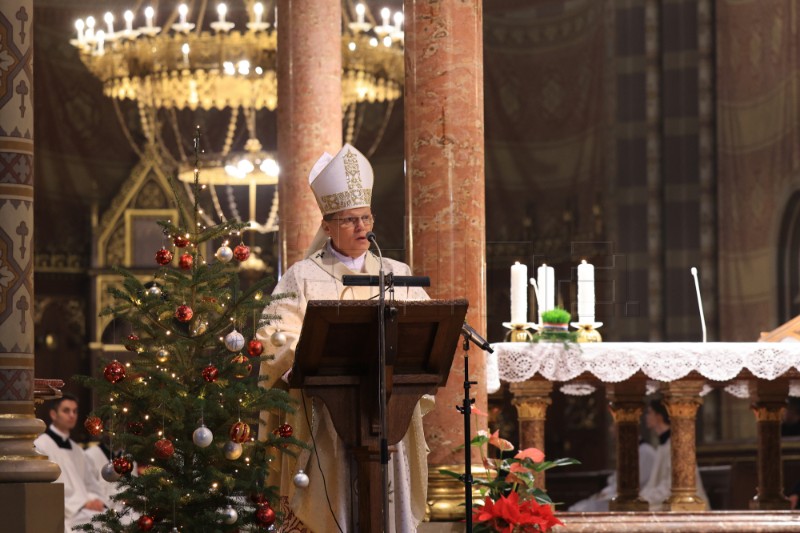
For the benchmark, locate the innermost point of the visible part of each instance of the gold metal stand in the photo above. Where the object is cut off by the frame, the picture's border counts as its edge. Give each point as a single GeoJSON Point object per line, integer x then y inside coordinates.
{"type": "Point", "coordinates": [588, 332]}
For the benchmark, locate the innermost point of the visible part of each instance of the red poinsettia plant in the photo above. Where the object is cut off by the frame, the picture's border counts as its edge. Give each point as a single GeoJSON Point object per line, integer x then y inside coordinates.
{"type": "Point", "coordinates": [511, 503]}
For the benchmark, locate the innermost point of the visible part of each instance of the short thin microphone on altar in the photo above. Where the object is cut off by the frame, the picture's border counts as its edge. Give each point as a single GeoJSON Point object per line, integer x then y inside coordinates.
{"type": "Point", "coordinates": [372, 238]}
{"type": "Point", "coordinates": [699, 303]}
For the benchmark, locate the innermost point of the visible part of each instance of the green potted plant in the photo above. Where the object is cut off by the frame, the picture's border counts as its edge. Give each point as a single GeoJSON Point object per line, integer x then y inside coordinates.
{"type": "Point", "coordinates": [556, 320]}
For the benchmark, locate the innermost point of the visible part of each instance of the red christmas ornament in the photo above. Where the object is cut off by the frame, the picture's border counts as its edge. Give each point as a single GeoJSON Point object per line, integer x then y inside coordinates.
{"type": "Point", "coordinates": [184, 313]}
{"type": "Point", "coordinates": [135, 428]}
{"type": "Point", "coordinates": [241, 252]}
{"type": "Point", "coordinates": [258, 499]}
{"type": "Point", "coordinates": [164, 448]}
{"type": "Point", "coordinates": [132, 342]}
{"type": "Point", "coordinates": [255, 348]}
{"type": "Point", "coordinates": [210, 373]}
{"type": "Point", "coordinates": [241, 366]}
{"type": "Point", "coordinates": [123, 465]}
{"type": "Point", "coordinates": [145, 523]}
{"type": "Point", "coordinates": [114, 372]}
{"type": "Point", "coordinates": [265, 516]}
{"type": "Point", "coordinates": [285, 431]}
{"type": "Point", "coordinates": [240, 432]}
{"type": "Point", "coordinates": [186, 261]}
{"type": "Point", "coordinates": [181, 241]}
{"type": "Point", "coordinates": [163, 256]}
{"type": "Point", "coordinates": [93, 425]}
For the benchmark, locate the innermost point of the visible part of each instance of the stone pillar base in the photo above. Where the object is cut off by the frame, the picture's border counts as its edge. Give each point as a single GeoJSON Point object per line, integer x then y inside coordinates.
{"type": "Point", "coordinates": [777, 503]}
{"type": "Point", "coordinates": [686, 503]}
{"type": "Point", "coordinates": [635, 505]}
{"type": "Point", "coordinates": [32, 507]}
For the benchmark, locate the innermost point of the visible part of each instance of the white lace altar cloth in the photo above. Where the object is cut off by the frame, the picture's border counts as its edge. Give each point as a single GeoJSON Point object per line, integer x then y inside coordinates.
{"type": "Point", "coordinates": [613, 362]}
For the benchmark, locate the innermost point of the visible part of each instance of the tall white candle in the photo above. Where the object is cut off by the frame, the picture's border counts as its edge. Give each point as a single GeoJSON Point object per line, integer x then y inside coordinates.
{"type": "Point", "coordinates": [79, 25]}
{"type": "Point", "coordinates": [258, 10]}
{"type": "Point", "coordinates": [585, 293]}
{"type": "Point", "coordinates": [360, 12]}
{"type": "Point", "coordinates": [385, 15]}
{"type": "Point", "coordinates": [183, 11]}
{"type": "Point", "coordinates": [519, 293]}
{"type": "Point", "coordinates": [222, 10]}
{"type": "Point", "coordinates": [546, 280]}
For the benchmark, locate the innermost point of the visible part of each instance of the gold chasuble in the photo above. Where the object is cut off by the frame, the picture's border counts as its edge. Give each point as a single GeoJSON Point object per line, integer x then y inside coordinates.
{"type": "Point", "coordinates": [320, 278]}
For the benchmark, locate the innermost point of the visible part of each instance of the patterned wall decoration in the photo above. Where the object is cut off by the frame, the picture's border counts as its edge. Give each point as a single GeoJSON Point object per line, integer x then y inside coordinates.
{"type": "Point", "coordinates": [758, 139]}
{"type": "Point", "coordinates": [16, 206]}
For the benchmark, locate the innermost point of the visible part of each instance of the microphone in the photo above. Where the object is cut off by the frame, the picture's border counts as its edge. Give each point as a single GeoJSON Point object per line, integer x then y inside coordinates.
{"type": "Point", "coordinates": [372, 238]}
{"type": "Point", "coordinates": [475, 337]}
{"type": "Point", "coordinates": [699, 302]}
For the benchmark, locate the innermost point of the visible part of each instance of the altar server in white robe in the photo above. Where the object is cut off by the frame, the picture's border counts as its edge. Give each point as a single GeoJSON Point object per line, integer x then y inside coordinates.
{"type": "Point", "coordinates": [659, 487]}
{"type": "Point", "coordinates": [83, 498]}
{"type": "Point", "coordinates": [342, 185]}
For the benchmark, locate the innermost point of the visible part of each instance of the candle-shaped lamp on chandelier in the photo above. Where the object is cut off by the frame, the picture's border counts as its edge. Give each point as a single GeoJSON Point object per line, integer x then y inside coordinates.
{"type": "Point", "coordinates": [586, 324]}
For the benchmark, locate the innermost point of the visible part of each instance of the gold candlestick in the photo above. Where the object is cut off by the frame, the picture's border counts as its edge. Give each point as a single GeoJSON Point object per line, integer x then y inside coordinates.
{"type": "Point", "coordinates": [588, 332]}
{"type": "Point", "coordinates": [518, 332]}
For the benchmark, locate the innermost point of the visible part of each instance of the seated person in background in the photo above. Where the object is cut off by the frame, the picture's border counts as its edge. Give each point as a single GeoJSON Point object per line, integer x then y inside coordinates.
{"type": "Point", "coordinates": [83, 498]}
{"type": "Point", "coordinates": [599, 501]}
{"type": "Point", "coordinates": [659, 487]}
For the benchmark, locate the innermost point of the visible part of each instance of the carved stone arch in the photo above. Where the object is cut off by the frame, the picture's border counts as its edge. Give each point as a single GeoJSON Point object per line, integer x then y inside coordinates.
{"type": "Point", "coordinates": [789, 261]}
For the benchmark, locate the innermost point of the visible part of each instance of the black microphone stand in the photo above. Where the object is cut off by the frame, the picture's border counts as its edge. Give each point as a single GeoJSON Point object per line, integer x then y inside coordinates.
{"type": "Point", "coordinates": [382, 382]}
{"type": "Point", "coordinates": [470, 335]}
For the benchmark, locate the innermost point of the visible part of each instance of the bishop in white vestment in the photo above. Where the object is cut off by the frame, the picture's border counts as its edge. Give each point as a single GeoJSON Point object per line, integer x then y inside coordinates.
{"type": "Point", "coordinates": [342, 185]}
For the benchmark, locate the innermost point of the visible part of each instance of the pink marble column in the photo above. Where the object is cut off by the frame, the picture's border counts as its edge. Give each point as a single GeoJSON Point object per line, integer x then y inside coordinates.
{"type": "Point", "coordinates": [309, 112]}
{"type": "Point", "coordinates": [445, 184]}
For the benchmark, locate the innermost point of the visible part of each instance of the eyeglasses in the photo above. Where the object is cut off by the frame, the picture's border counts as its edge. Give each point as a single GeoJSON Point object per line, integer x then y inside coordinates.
{"type": "Point", "coordinates": [350, 222]}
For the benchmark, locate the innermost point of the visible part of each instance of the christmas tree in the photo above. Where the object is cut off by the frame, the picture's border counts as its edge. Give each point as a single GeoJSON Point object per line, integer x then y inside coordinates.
{"type": "Point", "coordinates": [185, 405]}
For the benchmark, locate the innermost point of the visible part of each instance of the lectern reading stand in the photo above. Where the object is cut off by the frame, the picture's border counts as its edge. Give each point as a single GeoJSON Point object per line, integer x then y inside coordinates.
{"type": "Point", "coordinates": [336, 361]}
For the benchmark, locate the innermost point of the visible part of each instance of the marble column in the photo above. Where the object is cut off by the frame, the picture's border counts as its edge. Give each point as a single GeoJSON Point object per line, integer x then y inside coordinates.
{"type": "Point", "coordinates": [626, 403]}
{"type": "Point", "coordinates": [769, 401]}
{"type": "Point", "coordinates": [309, 112]}
{"type": "Point", "coordinates": [445, 197]}
{"type": "Point", "coordinates": [18, 427]}
{"type": "Point", "coordinates": [531, 398]}
{"type": "Point", "coordinates": [682, 399]}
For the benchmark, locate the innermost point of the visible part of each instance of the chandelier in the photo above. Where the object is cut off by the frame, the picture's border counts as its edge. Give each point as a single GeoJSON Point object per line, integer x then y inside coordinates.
{"type": "Point", "coordinates": [170, 62]}
{"type": "Point", "coordinates": [183, 65]}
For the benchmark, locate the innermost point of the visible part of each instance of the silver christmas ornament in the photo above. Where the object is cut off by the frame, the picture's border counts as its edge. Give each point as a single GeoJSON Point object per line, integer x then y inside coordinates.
{"type": "Point", "coordinates": [300, 479]}
{"type": "Point", "coordinates": [224, 254]}
{"type": "Point", "coordinates": [234, 341]}
{"type": "Point", "coordinates": [278, 339]}
{"type": "Point", "coordinates": [202, 437]}
{"type": "Point", "coordinates": [108, 473]}
{"type": "Point", "coordinates": [231, 516]}
{"type": "Point", "coordinates": [232, 450]}
{"type": "Point", "coordinates": [154, 290]}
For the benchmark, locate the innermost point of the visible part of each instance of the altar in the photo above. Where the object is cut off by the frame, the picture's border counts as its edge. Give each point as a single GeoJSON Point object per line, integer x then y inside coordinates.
{"type": "Point", "coordinates": [766, 372]}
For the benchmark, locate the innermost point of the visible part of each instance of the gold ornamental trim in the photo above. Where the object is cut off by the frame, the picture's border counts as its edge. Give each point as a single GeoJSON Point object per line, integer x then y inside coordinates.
{"type": "Point", "coordinates": [24, 146]}
{"type": "Point", "coordinates": [768, 414]}
{"type": "Point", "coordinates": [532, 409]}
{"type": "Point", "coordinates": [24, 192]}
{"type": "Point", "coordinates": [682, 408]}
{"type": "Point", "coordinates": [626, 415]}
{"type": "Point", "coordinates": [24, 407]}
{"type": "Point", "coordinates": [333, 203]}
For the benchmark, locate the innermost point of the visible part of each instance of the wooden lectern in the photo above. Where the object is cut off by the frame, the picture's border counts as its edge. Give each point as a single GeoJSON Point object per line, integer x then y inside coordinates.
{"type": "Point", "coordinates": [336, 360]}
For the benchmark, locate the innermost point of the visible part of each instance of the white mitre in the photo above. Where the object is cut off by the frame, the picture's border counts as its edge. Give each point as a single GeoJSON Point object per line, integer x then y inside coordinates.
{"type": "Point", "coordinates": [343, 181]}
{"type": "Point", "coordinates": [339, 182]}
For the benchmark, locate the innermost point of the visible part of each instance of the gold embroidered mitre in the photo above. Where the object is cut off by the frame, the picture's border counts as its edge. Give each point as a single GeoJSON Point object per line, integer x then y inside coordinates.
{"type": "Point", "coordinates": [343, 181]}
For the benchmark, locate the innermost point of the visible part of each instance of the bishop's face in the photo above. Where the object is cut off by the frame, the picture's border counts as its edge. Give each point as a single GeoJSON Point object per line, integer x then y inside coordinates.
{"type": "Point", "coordinates": [65, 416]}
{"type": "Point", "coordinates": [348, 230]}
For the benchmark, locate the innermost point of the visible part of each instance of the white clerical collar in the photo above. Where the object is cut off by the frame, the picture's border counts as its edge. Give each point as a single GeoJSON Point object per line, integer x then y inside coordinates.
{"type": "Point", "coordinates": [354, 264]}
{"type": "Point", "coordinates": [58, 432]}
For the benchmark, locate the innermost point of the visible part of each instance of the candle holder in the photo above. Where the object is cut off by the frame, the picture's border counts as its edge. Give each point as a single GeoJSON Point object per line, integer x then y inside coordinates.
{"type": "Point", "coordinates": [587, 332]}
{"type": "Point", "coordinates": [518, 332]}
